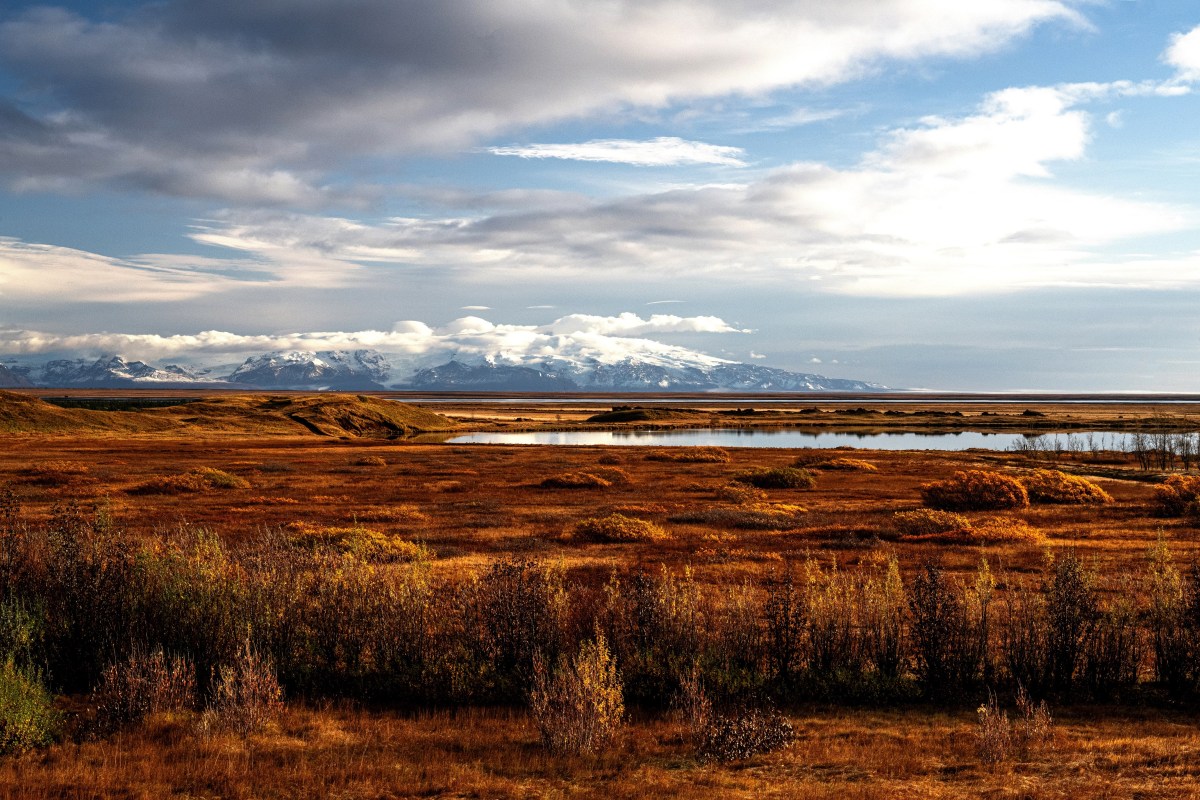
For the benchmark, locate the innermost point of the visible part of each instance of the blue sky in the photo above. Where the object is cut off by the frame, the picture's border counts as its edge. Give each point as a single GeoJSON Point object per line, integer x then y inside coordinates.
{"type": "Point", "coordinates": [993, 195]}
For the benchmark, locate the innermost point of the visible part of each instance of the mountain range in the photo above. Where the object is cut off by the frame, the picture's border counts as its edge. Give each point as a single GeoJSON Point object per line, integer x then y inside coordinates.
{"type": "Point", "coordinates": [357, 370]}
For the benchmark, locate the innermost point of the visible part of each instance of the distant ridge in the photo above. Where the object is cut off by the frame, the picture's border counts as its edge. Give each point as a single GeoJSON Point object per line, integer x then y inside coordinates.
{"type": "Point", "coordinates": [335, 415]}
{"type": "Point", "coordinates": [671, 369]}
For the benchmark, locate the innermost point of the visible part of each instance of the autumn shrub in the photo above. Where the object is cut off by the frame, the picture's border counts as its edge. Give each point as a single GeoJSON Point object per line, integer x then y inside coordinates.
{"type": "Point", "coordinates": [975, 490]}
{"type": "Point", "coordinates": [927, 522]}
{"type": "Point", "coordinates": [757, 516]}
{"type": "Point", "coordinates": [401, 514]}
{"type": "Point", "coordinates": [246, 695]}
{"type": "Point", "coordinates": [362, 542]}
{"type": "Point", "coordinates": [55, 473]}
{"type": "Point", "coordinates": [575, 480]}
{"type": "Point", "coordinates": [28, 718]}
{"type": "Point", "coordinates": [690, 455]}
{"type": "Point", "coordinates": [143, 684]}
{"type": "Point", "coordinates": [841, 464]}
{"type": "Point", "coordinates": [740, 493]}
{"type": "Point", "coordinates": [1173, 619]}
{"type": "Point", "coordinates": [1071, 610]}
{"type": "Point", "coordinates": [993, 732]}
{"type": "Point", "coordinates": [369, 461]}
{"type": "Point", "coordinates": [514, 613]}
{"type": "Point", "coordinates": [618, 528]}
{"type": "Point", "coordinates": [579, 708]}
{"type": "Point", "coordinates": [950, 630]}
{"type": "Point", "coordinates": [1055, 487]}
{"type": "Point", "coordinates": [778, 478]}
{"type": "Point", "coordinates": [998, 739]}
{"type": "Point", "coordinates": [200, 479]}
{"type": "Point", "coordinates": [745, 733]}
{"type": "Point", "coordinates": [655, 624]}
{"type": "Point", "coordinates": [1177, 496]}
{"type": "Point", "coordinates": [998, 530]}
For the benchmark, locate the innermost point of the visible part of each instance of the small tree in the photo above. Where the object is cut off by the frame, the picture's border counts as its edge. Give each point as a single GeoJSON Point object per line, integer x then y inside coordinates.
{"type": "Point", "coordinates": [580, 707]}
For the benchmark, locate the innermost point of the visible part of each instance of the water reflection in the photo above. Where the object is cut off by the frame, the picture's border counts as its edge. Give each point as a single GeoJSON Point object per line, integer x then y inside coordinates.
{"type": "Point", "coordinates": [749, 437]}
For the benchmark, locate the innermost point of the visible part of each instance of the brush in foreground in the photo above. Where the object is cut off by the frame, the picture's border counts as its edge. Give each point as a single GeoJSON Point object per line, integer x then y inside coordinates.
{"type": "Point", "coordinates": [580, 707]}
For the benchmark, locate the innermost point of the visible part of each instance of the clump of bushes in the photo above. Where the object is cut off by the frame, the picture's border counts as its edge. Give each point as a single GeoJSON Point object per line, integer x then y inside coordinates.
{"type": "Point", "coordinates": [745, 733]}
{"type": "Point", "coordinates": [691, 455]}
{"type": "Point", "coordinates": [28, 718]}
{"type": "Point", "coordinates": [200, 479]}
{"type": "Point", "coordinates": [975, 490]}
{"type": "Point", "coordinates": [929, 522]}
{"type": "Point", "coordinates": [246, 695]}
{"type": "Point", "coordinates": [55, 473]}
{"type": "Point", "coordinates": [756, 516]}
{"type": "Point", "coordinates": [997, 739]}
{"type": "Point", "coordinates": [740, 493]}
{"type": "Point", "coordinates": [843, 464]}
{"type": "Point", "coordinates": [995, 530]}
{"type": "Point", "coordinates": [575, 480]}
{"type": "Point", "coordinates": [1177, 496]}
{"type": "Point", "coordinates": [778, 478]}
{"type": "Point", "coordinates": [142, 685]}
{"type": "Point", "coordinates": [581, 706]}
{"type": "Point", "coordinates": [1056, 487]}
{"type": "Point", "coordinates": [361, 542]}
{"type": "Point", "coordinates": [618, 528]}
{"type": "Point", "coordinates": [403, 514]}
{"type": "Point", "coordinates": [370, 461]}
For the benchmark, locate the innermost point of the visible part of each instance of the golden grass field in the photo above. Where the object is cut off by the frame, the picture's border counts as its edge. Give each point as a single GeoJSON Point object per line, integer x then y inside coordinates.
{"type": "Point", "coordinates": [308, 465]}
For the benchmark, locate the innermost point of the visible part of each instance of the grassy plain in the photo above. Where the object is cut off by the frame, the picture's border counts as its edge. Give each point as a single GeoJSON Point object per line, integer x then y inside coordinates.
{"type": "Point", "coordinates": [473, 505]}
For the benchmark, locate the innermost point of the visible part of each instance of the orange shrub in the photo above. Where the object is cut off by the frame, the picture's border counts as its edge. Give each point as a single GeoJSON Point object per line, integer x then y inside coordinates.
{"type": "Point", "coordinates": [200, 479]}
{"type": "Point", "coordinates": [975, 490]}
{"type": "Point", "coordinates": [995, 530]}
{"type": "Point", "coordinates": [575, 480]}
{"type": "Point", "coordinates": [1053, 486]}
{"type": "Point", "coordinates": [618, 528]}
{"type": "Point", "coordinates": [844, 464]}
{"type": "Point", "coordinates": [55, 473]}
{"type": "Point", "coordinates": [1177, 495]}
{"type": "Point", "coordinates": [925, 522]}
{"type": "Point", "coordinates": [691, 455]}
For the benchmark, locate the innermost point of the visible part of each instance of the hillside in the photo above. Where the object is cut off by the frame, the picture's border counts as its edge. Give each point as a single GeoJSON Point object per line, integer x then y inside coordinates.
{"type": "Point", "coordinates": [336, 415]}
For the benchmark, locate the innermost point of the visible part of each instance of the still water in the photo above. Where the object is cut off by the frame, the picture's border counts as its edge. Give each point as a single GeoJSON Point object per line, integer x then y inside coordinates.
{"type": "Point", "coordinates": [735, 437]}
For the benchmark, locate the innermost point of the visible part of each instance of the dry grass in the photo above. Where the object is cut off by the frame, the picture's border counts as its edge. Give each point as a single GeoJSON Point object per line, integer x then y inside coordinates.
{"type": "Point", "coordinates": [474, 505]}
{"type": "Point", "coordinates": [356, 753]}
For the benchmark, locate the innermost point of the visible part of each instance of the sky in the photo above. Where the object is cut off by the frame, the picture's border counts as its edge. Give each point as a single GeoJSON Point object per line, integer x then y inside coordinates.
{"type": "Point", "coordinates": [988, 195]}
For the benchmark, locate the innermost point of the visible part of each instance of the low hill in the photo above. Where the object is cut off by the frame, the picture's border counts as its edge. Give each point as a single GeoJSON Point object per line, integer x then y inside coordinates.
{"type": "Point", "coordinates": [322, 415]}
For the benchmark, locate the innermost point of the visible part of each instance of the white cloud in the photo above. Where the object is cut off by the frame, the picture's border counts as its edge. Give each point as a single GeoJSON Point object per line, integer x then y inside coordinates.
{"type": "Point", "coordinates": [31, 272]}
{"type": "Point", "coordinates": [578, 336]}
{"type": "Point", "coordinates": [661, 152]}
{"type": "Point", "coordinates": [235, 99]}
{"type": "Point", "coordinates": [947, 206]}
{"type": "Point", "coordinates": [476, 308]}
{"type": "Point", "coordinates": [1183, 53]}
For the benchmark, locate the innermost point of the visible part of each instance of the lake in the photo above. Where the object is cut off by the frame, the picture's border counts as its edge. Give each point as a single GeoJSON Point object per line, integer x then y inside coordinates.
{"type": "Point", "coordinates": [742, 437]}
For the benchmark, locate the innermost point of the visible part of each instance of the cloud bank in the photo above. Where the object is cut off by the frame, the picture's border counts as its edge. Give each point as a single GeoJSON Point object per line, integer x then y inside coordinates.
{"type": "Point", "coordinates": [576, 336]}
{"type": "Point", "coordinates": [255, 102]}
{"type": "Point", "coordinates": [949, 205]}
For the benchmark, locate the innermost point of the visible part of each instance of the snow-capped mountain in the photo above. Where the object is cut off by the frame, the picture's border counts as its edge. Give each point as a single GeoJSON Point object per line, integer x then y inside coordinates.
{"type": "Point", "coordinates": [12, 380]}
{"type": "Point", "coordinates": [661, 369]}
{"type": "Point", "coordinates": [327, 369]}
{"type": "Point", "coordinates": [105, 372]}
